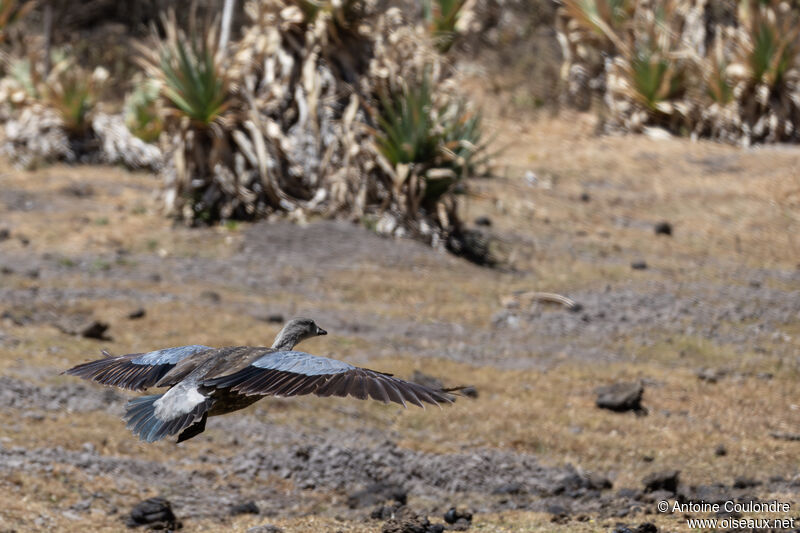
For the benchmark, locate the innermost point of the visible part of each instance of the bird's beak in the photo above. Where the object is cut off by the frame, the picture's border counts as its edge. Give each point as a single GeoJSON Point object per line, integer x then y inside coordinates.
{"type": "Point", "coordinates": [321, 331]}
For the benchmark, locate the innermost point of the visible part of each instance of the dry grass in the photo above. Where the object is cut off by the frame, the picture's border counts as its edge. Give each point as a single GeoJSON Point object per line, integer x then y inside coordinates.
{"type": "Point", "coordinates": [721, 200]}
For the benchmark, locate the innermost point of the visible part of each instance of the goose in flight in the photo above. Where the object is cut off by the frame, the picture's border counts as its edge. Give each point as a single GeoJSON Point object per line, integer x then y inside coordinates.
{"type": "Point", "coordinates": [205, 381]}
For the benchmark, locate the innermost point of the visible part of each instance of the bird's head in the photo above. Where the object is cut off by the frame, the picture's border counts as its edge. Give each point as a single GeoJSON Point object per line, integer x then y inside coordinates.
{"type": "Point", "coordinates": [296, 330]}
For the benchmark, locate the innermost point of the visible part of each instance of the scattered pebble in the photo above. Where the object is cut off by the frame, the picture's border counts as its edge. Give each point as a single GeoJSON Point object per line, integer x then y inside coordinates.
{"type": "Point", "coordinates": [266, 528]}
{"type": "Point", "coordinates": [666, 480]}
{"type": "Point", "coordinates": [95, 329]}
{"type": "Point", "coordinates": [274, 318]}
{"type": "Point", "coordinates": [137, 313]}
{"type": "Point", "coordinates": [245, 508]}
{"type": "Point", "coordinates": [720, 450]}
{"type": "Point", "coordinates": [211, 296]}
{"type": "Point", "coordinates": [639, 265]}
{"type": "Point", "coordinates": [5, 234]}
{"type": "Point", "coordinates": [456, 514]}
{"type": "Point", "coordinates": [663, 228]}
{"type": "Point", "coordinates": [742, 482]}
{"type": "Point", "coordinates": [483, 221]}
{"type": "Point", "coordinates": [621, 397]}
{"type": "Point", "coordinates": [156, 513]}
{"type": "Point", "coordinates": [407, 521]}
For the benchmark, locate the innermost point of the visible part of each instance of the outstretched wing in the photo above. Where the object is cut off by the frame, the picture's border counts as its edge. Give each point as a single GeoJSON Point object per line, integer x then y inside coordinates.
{"type": "Point", "coordinates": [136, 371]}
{"type": "Point", "coordinates": [294, 373]}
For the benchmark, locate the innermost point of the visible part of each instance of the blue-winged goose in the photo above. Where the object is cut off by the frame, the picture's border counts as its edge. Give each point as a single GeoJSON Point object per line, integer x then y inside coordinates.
{"type": "Point", "coordinates": [206, 381]}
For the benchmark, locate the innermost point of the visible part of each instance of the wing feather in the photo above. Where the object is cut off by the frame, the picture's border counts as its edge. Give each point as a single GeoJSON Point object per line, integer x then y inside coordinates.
{"type": "Point", "coordinates": [294, 373]}
{"type": "Point", "coordinates": [136, 371]}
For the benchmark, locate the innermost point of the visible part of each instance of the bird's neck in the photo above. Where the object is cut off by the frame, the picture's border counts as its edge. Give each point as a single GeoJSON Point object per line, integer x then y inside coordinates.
{"type": "Point", "coordinates": [284, 341]}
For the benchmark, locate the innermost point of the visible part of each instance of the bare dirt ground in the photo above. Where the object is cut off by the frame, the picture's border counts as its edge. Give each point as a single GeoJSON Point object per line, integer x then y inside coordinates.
{"type": "Point", "coordinates": [711, 327]}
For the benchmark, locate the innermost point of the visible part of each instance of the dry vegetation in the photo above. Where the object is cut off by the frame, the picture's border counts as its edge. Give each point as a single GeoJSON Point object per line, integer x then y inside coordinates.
{"type": "Point", "coordinates": [311, 115]}
{"type": "Point", "coordinates": [730, 228]}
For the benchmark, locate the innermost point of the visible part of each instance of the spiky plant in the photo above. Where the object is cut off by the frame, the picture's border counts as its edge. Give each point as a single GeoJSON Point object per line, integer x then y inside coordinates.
{"type": "Point", "coordinates": [718, 83]}
{"type": "Point", "coordinates": [605, 19]}
{"type": "Point", "coordinates": [655, 77]}
{"type": "Point", "coordinates": [190, 72]}
{"type": "Point", "coordinates": [72, 92]}
{"type": "Point", "coordinates": [142, 113]}
{"type": "Point", "coordinates": [11, 12]}
{"type": "Point", "coordinates": [773, 43]}
{"type": "Point", "coordinates": [442, 17]}
{"type": "Point", "coordinates": [435, 144]}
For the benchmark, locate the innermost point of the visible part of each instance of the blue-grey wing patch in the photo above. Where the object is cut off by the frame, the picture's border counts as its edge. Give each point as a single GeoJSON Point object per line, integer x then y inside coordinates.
{"type": "Point", "coordinates": [301, 363]}
{"type": "Point", "coordinates": [136, 371]}
{"type": "Point", "coordinates": [296, 373]}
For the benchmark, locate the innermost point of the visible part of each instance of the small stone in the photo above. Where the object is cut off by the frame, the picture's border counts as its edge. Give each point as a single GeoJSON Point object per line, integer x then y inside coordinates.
{"type": "Point", "coordinates": [95, 329]}
{"type": "Point", "coordinates": [646, 527]}
{"type": "Point", "coordinates": [266, 528]}
{"type": "Point", "coordinates": [720, 450]}
{"type": "Point", "coordinates": [483, 221]}
{"type": "Point", "coordinates": [5, 234]}
{"type": "Point", "coordinates": [663, 228]}
{"type": "Point", "coordinates": [665, 480]}
{"type": "Point", "coordinates": [137, 313]}
{"type": "Point", "coordinates": [211, 296]}
{"type": "Point", "coordinates": [710, 375]}
{"type": "Point", "coordinates": [274, 318]}
{"type": "Point", "coordinates": [156, 513]}
{"type": "Point", "coordinates": [407, 521]}
{"type": "Point", "coordinates": [585, 197]}
{"type": "Point", "coordinates": [745, 483]}
{"type": "Point", "coordinates": [621, 397]}
{"type": "Point", "coordinates": [245, 508]}
{"type": "Point", "coordinates": [639, 265]}
{"type": "Point", "coordinates": [6, 270]}
{"type": "Point", "coordinates": [454, 514]}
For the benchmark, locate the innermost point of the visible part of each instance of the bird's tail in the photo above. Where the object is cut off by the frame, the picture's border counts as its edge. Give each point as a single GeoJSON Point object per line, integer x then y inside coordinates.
{"type": "Point", "coordinates": [141, 418]}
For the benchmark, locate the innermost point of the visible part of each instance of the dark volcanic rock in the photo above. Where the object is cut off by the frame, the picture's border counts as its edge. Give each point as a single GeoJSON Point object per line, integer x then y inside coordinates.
{"type": "Point", "coordinates": [720, 450]}
{"type": "Point", "coordinates": [245, 508]}
{"type": "Point", "coordinates": [639, 265]}
{"type": "Point", "coordinates": [377, 493]}
{"type": "Point", "coordinates": [745, 483]}
{"type": "Point", "coordinates": [137, 313]}
{"type": "Point", "coordinates": [155, 513]}
{"type": "Point", "coordinates": [666, 480]}
{"type": "Point", "coordinates": [621, 397]}
{"type": "Point", "coordinates": [663, 228]}
{"type": "Point", "coordinates": [454, 514]}
{"type": "Point", "coordinates": [407, 521]}
{"type": "Point", "coordinates": [5, 234]}
{"type": "Point", "coordinates": [266, 528]}
{"type": "Point", "coordinates": [95, 329]}
{"type": "Point", "coordinates": [274, 318]}
{"type": "Point", "coordinates": [645, 527]}
{"type": "Point", "coordinates": [211, 296]}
